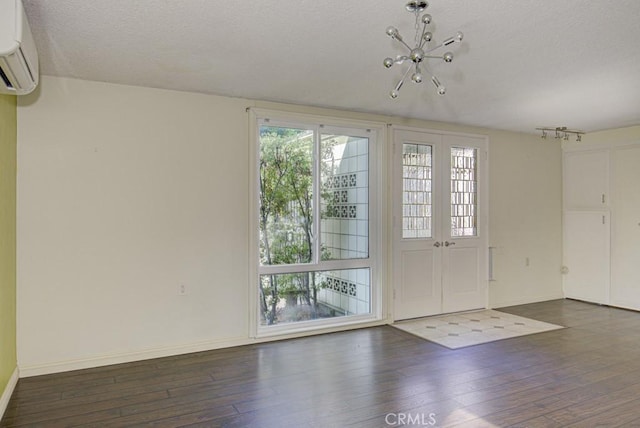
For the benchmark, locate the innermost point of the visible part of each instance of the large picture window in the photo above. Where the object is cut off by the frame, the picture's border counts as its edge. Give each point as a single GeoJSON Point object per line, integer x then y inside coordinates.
{"type": "Point", "coordinates": [314, 222]}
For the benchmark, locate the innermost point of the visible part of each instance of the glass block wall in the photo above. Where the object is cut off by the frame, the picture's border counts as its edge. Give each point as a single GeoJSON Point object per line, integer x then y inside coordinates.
{"type": "Point", "coordinates": [346, 290]}
{"type": "Point", "coordinates": [344, 222]}
{"type": "Point", "coordinates": [345, 198]}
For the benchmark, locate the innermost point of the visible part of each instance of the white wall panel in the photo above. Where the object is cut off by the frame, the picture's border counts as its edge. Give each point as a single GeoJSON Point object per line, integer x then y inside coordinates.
{"type": "Point", "coordinates": [625, 244]}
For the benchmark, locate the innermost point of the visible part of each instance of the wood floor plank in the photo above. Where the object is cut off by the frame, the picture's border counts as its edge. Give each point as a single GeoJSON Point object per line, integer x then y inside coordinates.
{"type": "Point", "coordinates": [585, 375]}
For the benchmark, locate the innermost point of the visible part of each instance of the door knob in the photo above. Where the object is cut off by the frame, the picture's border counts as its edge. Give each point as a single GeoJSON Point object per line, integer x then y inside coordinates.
{"type": "Point", "coordinates": [447, 243]}
{"type": "Point", "coordinates": [437, 244]}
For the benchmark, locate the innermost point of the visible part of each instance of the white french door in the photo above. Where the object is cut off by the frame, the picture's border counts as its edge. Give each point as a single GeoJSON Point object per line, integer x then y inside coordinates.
{"type": "Point", "coordinates": [440, 240]}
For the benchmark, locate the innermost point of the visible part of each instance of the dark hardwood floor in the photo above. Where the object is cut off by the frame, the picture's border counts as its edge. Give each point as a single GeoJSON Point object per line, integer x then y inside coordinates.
{"type": "Point", "coordinates": [587, 375]}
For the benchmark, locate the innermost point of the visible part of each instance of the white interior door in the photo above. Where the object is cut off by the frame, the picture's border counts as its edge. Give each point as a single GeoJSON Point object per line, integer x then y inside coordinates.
{"type": "Point", "coordinates": [440, 226]}
{"type": "Point", "coordinates": [586, 246]}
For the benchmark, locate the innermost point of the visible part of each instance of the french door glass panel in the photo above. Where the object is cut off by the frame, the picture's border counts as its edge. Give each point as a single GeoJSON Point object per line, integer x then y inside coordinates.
{"type": "Point", "coordinates": [464, 192]}
{"type": "Point", "coordinates": [313, 223]}
{"type": "Point", "coordinates": [416, 190]}
{"type": "Point", "coordinates": [439, 259]}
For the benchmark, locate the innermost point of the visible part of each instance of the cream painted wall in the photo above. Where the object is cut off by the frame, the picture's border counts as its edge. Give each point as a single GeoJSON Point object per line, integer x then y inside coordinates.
{"type": "Point", "coordinates": [125, 192]}
{"type": "Point", "coordinates": [525, 219]}
{"type": "Point", "coordinates": [606, 139]}
{"type": "Point", "coordinates": [8, 361]}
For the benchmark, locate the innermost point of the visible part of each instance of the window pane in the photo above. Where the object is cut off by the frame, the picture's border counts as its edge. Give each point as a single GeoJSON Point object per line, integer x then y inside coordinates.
{"type": "Point", "coordinates": [416, 191]}
{"type": "Point", "coordinates": [304, 296]}
{"type": "Point", "coordinates": [464, 192]}
{"type": "Point", "coordinates": [286, 195]}
{"type": "Point", "coordinates": [344, 222]}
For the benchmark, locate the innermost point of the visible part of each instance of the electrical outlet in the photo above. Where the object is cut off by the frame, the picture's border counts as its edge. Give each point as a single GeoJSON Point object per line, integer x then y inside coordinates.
{"type": "Point", "coordinates": [182, 290]}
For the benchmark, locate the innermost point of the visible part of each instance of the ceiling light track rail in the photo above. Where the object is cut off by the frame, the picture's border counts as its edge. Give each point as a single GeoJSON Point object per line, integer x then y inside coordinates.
{"type": "Point", "coordinates": [560, 133]}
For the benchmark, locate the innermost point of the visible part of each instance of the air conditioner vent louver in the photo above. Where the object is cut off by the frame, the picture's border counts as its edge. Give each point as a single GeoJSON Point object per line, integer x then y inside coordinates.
{"type": "Point", "coordinates": [5, 79]}
{"type": "Point", "coordinates": [18, 55]}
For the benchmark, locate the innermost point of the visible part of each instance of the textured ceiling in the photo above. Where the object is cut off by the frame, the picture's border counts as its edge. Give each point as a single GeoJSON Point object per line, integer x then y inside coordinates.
{"type": "Point", "coordinates": [522, 64]}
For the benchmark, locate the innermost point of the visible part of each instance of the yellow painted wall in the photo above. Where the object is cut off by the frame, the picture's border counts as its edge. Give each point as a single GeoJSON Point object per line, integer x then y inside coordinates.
{"type": "Point", "coordinates": [7, 238]}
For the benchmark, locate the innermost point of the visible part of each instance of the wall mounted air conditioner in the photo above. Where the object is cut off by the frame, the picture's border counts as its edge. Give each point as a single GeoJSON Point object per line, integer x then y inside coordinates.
{"type": "Point", "coordinates": [18, 55]}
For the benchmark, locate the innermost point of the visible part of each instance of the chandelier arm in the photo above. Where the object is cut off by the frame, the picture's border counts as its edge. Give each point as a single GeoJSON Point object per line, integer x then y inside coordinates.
{"type": "Point", "coordinates": [404, 43]}
{"type": "Point", "coordinates": [406, 73]}
{"type": "Point", "coordinates": [447, 42]}
{"type": "Point", "coordinates": [434, 48]}
{"type": "Point", "coordinates": [423, 41]}
{"type": "Point", "coordinates": [436, 82]}
{"type": "Point", "coordinates": [394, 92]}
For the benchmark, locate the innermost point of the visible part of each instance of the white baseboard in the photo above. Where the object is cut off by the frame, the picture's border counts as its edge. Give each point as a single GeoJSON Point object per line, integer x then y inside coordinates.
{"type": "Point", "coordinates": [8, 391]}
{"type": "Point", "coordinates": [525, 301]}
{"type": "Point", "coordinates": [28, 370]}
{"type": "Point", "coordinates": [106, 360]}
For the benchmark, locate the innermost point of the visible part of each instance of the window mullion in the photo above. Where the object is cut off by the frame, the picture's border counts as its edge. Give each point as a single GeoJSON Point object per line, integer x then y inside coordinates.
{"type": "Point", "coordinates": [316, 195]}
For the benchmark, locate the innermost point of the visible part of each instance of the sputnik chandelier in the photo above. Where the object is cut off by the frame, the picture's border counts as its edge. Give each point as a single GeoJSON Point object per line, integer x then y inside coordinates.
{"type": "Point", "coordinates": [561, 132]}
{"type": "Point", "coordinates": [421, 52]}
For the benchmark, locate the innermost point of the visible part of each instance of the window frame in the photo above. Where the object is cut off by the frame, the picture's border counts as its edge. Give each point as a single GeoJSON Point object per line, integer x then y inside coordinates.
{"type": "Point", "coordinates": [375, 133]}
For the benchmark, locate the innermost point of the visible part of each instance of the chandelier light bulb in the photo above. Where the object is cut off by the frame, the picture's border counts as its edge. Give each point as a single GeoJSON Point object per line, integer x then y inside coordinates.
{"type": "Point", "coordinates": [427, 36]}
{"type": "Point", "coordinates": [394, 33]}
{"type": "Point", "coordinates": [459, 36]}
{"type": "Point", "coordinates": [447, 57]}
{"type": "Point", "coordinates": [417, 77]}
{"type": "Point", "coordinates": [388, 62]}
{"type": "Point", "coordinates": [426, 19]}
{"type": "Point", "coordinates": [441, 89]}
{"type": "Point", "coordinates": [393, 94]}
{"type": "Point", "coordinates": [449, 41]}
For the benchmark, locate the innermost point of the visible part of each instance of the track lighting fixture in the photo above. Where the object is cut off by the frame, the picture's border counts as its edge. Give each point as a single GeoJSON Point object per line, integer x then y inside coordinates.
{"type": "Point", "coordinates": [561, 132]}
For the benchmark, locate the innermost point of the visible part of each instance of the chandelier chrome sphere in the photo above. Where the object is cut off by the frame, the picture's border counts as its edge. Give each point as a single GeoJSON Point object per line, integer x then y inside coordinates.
{"type": "Point", "coordinates": [421, 51]}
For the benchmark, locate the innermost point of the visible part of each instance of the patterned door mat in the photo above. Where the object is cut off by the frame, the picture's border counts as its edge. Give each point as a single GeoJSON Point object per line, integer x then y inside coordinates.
{"type": "Point", "coordinates": [472, 328]}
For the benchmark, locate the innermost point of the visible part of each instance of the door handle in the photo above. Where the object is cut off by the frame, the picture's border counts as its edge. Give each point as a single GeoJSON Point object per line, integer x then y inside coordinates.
{"type": "Point", "coordinates": [437, 244]}
{"type": "Point", "coordinates": [447, 243]}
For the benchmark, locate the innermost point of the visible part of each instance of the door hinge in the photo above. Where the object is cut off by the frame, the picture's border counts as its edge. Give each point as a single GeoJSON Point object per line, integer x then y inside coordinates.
{"type": "Point", "coordinates": [602, 219]}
